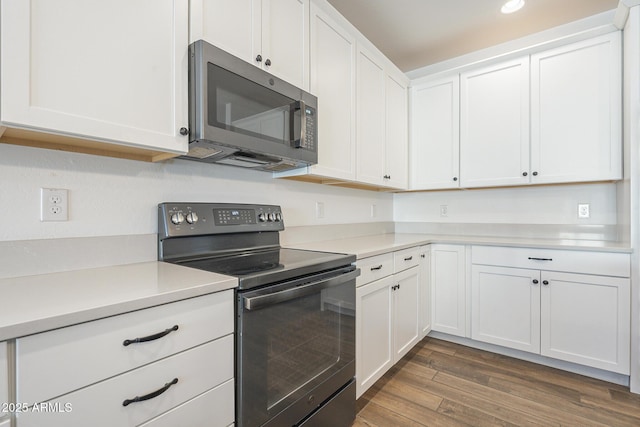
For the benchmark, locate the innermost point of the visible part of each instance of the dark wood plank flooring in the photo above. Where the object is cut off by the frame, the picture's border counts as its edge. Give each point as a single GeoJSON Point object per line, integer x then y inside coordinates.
{"type": "Point", "coordinates": [445, 384]}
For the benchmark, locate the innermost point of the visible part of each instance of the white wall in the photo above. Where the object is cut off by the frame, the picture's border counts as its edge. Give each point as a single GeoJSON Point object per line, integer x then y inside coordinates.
{"type": "Point", "coordinates": [110, 196]}
{"type": "Point", "coordinates": [523, 205]}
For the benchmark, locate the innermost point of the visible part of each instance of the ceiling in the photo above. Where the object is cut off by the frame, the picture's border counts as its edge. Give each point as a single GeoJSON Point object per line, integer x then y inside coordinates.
{"type": "Point", "coordinates": [417, 33]}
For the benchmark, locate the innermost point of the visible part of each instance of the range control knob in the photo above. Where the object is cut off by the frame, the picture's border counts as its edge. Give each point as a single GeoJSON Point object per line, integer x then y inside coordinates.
{"type": "Point", "coordinates": [278, 216]}
{"type": "Point", "coordinates": [177, 218]}
{"type": "Point", "coordinates": [192, 217]}
{"type": "Point", "coordinates": [271, 217]}
{"type": "Point", "coordinates": [262, 217]}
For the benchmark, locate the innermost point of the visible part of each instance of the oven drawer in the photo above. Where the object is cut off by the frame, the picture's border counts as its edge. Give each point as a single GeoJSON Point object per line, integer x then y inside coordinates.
{"type": "Point", "coordinates": [405, 259]}
{"type": "Point", "coordinates": [374, 268]}
{"type": "Point", "coordinates": [102, 404]}
{"type": "Point", "coordinates": [57, 362]}
{"type": "Point", "coordinates": [214, 408]}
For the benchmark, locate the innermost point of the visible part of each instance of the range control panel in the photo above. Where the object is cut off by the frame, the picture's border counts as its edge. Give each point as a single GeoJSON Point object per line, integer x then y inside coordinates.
{"type": "Point", "coordinates": [192, 219]}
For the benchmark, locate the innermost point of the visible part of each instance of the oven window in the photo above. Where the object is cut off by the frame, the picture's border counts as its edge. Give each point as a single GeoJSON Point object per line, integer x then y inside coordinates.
{"type": "Point", "coordinates": [290, 347]}
{"type": "Point", "coordinates": [243, 106]}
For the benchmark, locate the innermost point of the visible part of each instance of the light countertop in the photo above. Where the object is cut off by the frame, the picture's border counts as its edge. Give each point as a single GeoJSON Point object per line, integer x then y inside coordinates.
{"type": "Point", "coordinates": [367, 246]}
{"type": "Point", "coordinates": [32, 304]}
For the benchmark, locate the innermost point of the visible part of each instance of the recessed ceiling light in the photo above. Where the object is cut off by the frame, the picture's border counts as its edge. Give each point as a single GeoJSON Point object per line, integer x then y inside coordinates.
{"type": "Point", "coordinates": [512, 6]}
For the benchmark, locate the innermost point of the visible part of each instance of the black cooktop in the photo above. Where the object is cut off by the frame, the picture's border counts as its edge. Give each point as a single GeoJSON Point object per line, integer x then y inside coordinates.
{"type": "Point", "coordinates": [263, 267]}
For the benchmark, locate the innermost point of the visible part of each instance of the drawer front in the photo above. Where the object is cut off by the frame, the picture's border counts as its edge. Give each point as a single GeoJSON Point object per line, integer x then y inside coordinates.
{"type": "Point", "coordinates": [214, 408]}
{"type": "Point", "coordinates": [102, 404]}
{"type": "Point", "coordinates": [374, 268]}
{"type": "Point", "coordinates": [585, 262]}
{"type": "Point", "coordinates": [406, 259]}
{"type": "Point", "coordinates": [4, 376]}
{"type": "Point", "coordinates": [54, 363]}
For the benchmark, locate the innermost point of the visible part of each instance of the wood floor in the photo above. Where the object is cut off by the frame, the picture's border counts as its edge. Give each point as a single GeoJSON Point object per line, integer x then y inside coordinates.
{"type": "Point", "coordinates": [444, 384]}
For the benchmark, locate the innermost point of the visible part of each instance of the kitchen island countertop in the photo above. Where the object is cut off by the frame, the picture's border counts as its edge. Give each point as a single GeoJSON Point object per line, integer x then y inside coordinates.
{"type": "Point", "coordinates": [367, 246]}
{"type": "Point", "coordinates": [33, 304]}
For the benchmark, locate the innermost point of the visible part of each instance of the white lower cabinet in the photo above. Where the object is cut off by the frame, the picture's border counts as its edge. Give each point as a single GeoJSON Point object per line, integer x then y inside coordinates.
{"type": "Point", "coordinates": [424, 291]}
{"type": "Point", "coordinates": [4, 385]}
{"type": "Point", "coordinates": [386, 317]}
{"type": "Point", "coordinates": [131, 369]}
{"type": "Point", "coordinates": [562, 306]}
{"type": "Point", "coordinates": [448, 282]}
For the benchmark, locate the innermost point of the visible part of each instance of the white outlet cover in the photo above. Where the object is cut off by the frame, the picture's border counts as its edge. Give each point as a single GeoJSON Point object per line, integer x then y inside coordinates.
{"type": "Point", "coordinates": [583, 210]}
{"type": "Point", "coordinates": [54, 204]}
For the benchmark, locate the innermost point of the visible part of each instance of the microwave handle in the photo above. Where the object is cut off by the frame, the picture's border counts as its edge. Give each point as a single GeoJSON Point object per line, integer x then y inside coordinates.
{"type": "Point", "coordinates": [298, 142]}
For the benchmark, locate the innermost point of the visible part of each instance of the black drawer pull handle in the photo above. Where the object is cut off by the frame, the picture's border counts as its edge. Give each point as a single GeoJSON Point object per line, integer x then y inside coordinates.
{"type": "Point", "coordinates": [409, 258]}
{"type": "Point", "coordinates": [541, 259]}
{"type": "Point", "coordinates": [150, 395]}
{"type": "Point", "coordinates": [376, 268]}
{"type": "Point", "coordinates": [150, 337]}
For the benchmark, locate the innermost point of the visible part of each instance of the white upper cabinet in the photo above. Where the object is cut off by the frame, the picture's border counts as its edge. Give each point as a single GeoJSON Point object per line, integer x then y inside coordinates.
{"type": "Point", "coordinates": [494, 125]}
{"type": "Point", "coordinates": [272, 34]}
{"type": "Point", "coordinates": [381, 123]}
{"type": "Point", "coordinates": [114, 71]}
{"type": "Point", "coordinates": [397, 132]}
{"type": "Point", "coordinates": [370, 114]}
{"type": "Point", "coordinates": [333, 73]}
{"type": "Point", "coordinates": [435, 139]}
{"type": "Point", "coordinates": [576, 112]}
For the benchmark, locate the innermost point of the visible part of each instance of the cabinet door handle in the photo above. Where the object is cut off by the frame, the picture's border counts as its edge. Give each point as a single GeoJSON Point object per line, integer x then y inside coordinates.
{"type": "Point", "coordinates": [540, 259]}
{"type": "Point", "coordinates": [535, 174]}
{"type": "Point", "coordinates": [267, 62]}
{"type": "Point", "coordinates": [156, 393]}
{"type": "Point", "coordinates": [423, 256]}
{"type": "Point", "coordinates": [535, 281]}
{"type": "Point", "coordinates": [184, 131]}
{"type": "Point", "coordinates": [409, 258]}
{"type": "Point", "coordinates": [545, 282]}
{"type": "Point", "coordinates": [455, 178]}
{"type": "Point", "coordinates": [524, 174]}
{"type": "Point", "coordinates": [376, 268]}
{"type": "Point", "coordinates": [150, 337]}
{"type": "Point", "coordinates": [259, 58]}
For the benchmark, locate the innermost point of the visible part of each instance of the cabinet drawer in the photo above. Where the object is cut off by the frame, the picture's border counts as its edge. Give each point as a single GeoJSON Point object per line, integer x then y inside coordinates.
{"type": "Point", "coordinates": [4, 375]}
{"type": "Point", "coordinates": [102, 404]}
{"type": "Point", "coordinates": [374, 268]}
{"type": "Point", "coordinates": [214, 408]}
{"type": "Point", "coordinates": [54, 363]}
{"type": "Point", "coordinates": [586, 262]}
{"type": "Point", "coordinates": [406, 259]}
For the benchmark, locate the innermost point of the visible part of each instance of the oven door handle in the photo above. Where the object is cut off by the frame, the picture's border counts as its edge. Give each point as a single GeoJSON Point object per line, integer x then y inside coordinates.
{"type": "Point", "coordinates": [260, 301]}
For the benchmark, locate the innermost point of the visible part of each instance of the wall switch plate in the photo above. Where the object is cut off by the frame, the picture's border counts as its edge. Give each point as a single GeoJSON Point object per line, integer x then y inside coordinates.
{"type": "Point", "coordinates": [54, 204]}
{"type": "Point", "coordinates": [583, 210]}
{"type": "Point", "coordinates": [444, 210]}
{"type": "Point", "coordinates": [319, 210]}
{"type": "Point", "coordinates": [374, 211]}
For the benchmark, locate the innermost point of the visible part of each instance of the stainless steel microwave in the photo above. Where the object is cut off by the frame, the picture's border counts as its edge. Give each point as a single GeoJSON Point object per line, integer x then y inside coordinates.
{"type": "Point", "coordinates": [240, 115]}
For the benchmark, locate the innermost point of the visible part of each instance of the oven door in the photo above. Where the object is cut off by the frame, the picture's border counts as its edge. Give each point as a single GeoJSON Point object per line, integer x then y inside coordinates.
{"type": "Point", "coordinates": [295, 347]}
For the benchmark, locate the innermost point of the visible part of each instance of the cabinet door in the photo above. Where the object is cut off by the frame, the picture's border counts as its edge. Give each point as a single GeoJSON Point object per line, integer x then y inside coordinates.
{"type": "Point", "coordinates": [448, 302]}
{"type": "Point", "coordinates": [397, 128]}
{"type": "Point", "coordinates": [405, 312]}
{"type": "Point", "coordinates": [370, 115]}
{"type": "Point", "coordinates": [576, 112]}
{"type": "Point", "coordinates": [234, 26]}
{"type": "Point", "coordinates": [285, 40]}
{"type": "Point", "coordinates": [585, 319]}
{"type": "Point", "coordinates": [435, 130]}
{"type": "Point", "coordinates": [113, 71]}
{"type": "Point", "coordinates": [333, 54]}
{"type": "Point", "coordinates": [494, 125]}
{"type": "Point", "coordinates": [424, 291]}
{"type": "Point", "coordinates": [374, 331]}
{"type": "Point", "coordinates": [505, 307]}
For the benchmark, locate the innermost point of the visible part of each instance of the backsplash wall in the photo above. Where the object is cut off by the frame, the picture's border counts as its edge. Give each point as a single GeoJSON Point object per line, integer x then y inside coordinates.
{"type": "Point", "coordinates": [110, 196]}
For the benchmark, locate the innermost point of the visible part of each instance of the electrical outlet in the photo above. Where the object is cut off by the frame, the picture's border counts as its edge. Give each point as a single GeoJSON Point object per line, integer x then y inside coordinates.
{"type": "Point", "coordinates": [54, 204]}
{"type": "Point", "coordinates": [583, 210]}
{"type": "Point", "coordinates": [444, 210]}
